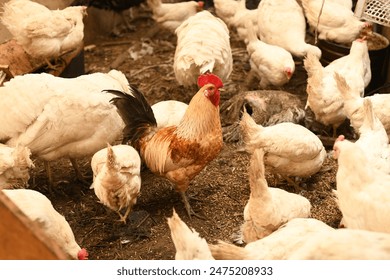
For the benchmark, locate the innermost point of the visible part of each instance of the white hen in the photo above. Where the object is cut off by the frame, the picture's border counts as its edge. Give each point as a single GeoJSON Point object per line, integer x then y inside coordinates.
{"type": "Point", "coordinates": [268, 208]}
{"type": "Point", "coordinates": [344, 244]}
{"type": "Point", "coordinates": [289, 149]}
{"type": "Point", "coordinates": [324, 98]}
{"type": "Point", "coordinates": [362, 190]}
{"type": "Point", "coordinates": [334, 21]}
{"type": "Point", "coordinates": [169, 112]}
{"type": "Point", "coordinates": [189, 245]}
{"type": "Point", "coordinates": [282, 23]}
{"type": "Point", "coordinates": [15, 164]}
{"type": "Point", "coordinates": [202, 46]}
{"type": "Point", "coordinates": [353, 105]}
{"type": "Point", "coordinates": [116, 177]}
{"type": "Point", "coordinates": [226, 10]}
{"type": "Point", "coordinates": [171, 15]}
{"type": "Point", "coordinates": [279, 245]}
{"type": "Point", "coordinates": [57, 117]}
{"type": "Point", "coordinates": [273, 65]}
{"type": "Point", "coordinates": [44, 33]}
{"type": "Point", "coordinates": [242, 17]}
{"type": "Point", "coordinates": [39, 209]}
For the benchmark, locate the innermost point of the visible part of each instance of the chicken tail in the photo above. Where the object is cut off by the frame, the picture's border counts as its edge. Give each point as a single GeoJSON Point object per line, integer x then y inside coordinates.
{"type": "Point", "coordinates": [343, 86]}
{"type": "Point", "coordinates": [251, 35]}
{"type": "Point", "coordinates": [111, 159]}
{"type": "Point", "coordinates": [136, 113]}
{"type": "Point", "coordinates": [226, 251]}
{"type": "Point", "coordinates": [258, 183]}
{"type": "Point", "coordinates": [248, 128]}
{"type": "Point", "coordinates": [370, 120]}
{"type": "Point", "coordinates": [189, 245]}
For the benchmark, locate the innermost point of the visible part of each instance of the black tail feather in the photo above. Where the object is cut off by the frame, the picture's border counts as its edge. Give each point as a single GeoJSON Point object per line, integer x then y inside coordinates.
{"type": "Point", "coordinates": [135, 112]}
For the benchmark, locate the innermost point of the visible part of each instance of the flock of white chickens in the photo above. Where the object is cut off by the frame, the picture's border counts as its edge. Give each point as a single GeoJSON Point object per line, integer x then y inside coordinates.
{"type": "Point", "coordinates": [42, 127]}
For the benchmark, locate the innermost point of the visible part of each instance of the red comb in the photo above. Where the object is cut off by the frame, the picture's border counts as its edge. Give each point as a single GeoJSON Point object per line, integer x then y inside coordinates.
{"type": "Point", "coordinates": [82, 254]}
{"type": "Point", "coordinates": [201, 4]}
{"type": "Point", "coordinates": [340, 138]}
{"type": "Point", "coordinates": [209, 78]}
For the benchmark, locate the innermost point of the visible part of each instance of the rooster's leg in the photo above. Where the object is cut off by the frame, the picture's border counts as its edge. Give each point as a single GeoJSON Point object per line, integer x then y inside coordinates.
{"type": "Point", "coordinates": [123, 218]}
{"type": "Point", "coordinates": [79, 175]}
{"type": "Point", "coordinates": [49, 175]}
{"type": "Point", "coordinates": [187, 205]}
{"type": "Point", "coordinates": [292, 183]}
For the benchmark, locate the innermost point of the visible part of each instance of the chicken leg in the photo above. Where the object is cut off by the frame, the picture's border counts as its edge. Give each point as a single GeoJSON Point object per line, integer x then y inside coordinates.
{"type": "Point", "coordinates": [188, 207]}
{"type": "Point", "coordinates": [79, 175]}
{"type": "Point", "coordinates": [123, 218]}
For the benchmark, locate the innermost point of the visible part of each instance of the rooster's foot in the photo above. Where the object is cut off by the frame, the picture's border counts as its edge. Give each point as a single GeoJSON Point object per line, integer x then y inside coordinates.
{"type": "Point", "coordinates": [189, 209]}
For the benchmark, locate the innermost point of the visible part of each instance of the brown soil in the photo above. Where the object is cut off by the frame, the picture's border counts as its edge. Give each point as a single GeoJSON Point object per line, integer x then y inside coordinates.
{"type": "Point", "coordinates": [220, 191]}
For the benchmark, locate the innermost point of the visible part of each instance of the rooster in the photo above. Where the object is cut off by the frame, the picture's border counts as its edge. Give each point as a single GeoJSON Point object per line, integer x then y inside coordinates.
{"type": "Point", "coordinates": [180, 152]}
{"type": "Point", "coordinates": [189, 245]}
{"type": "Point", "coordinates": [171, 15]}
{"type": "Point", "coordinates": [202, 46]}
{"type": "Point", "coordinates": [15, 164]}
{"type": "Point", "coordinates": [116, 177]}
{"type": "Point", "coordinates": [43, 33]}
{"type": "Point", "coordinates": [38, 208]}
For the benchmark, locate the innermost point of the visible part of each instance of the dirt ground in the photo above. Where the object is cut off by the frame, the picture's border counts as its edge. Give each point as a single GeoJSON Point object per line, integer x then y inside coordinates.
{"type": "Point", "coordinates": [221, 190]}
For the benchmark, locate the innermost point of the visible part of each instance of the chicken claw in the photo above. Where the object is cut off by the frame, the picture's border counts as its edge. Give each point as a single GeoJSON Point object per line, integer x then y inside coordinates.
{"type": "Point", "coordinates": [189, 209]}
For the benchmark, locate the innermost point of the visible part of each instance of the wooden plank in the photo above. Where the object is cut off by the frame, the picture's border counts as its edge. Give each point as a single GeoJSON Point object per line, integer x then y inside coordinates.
{"type": "Point", "coordinates": [21, 239]}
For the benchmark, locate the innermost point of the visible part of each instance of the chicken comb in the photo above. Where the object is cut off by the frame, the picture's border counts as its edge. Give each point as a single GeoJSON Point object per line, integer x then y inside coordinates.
{"type": "Point", "coordinates": [201, 4]}
{"type": "Point", "coordinates": [209, 78]}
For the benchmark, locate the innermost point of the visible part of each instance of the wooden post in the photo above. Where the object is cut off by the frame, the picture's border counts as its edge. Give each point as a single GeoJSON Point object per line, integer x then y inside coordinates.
{"type": "Point", "coordinates": [22, 239]}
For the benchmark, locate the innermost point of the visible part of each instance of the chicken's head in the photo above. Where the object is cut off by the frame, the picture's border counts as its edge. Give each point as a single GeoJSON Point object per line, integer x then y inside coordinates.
{"type": "Point", "coordinates": [336, 150]}
{"type": "Point", "coordinates": [82, 254]}
{"type": "Point", "coordinates": [212, 85]}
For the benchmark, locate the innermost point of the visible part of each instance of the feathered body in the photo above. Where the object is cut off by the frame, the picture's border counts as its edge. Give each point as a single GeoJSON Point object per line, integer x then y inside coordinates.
{"type": "Point", "coordinates": [44, 33]}
{"type": "Point", "coordinates": [362, 190]}
{"type": "Point", "coordinates": [15, 164]}
{"type": "Point", "coordinates": [324, 97]}
{"type": "Point", "coordinates": [273, 65]}
{"type": "Point", "coordinates": [189, 245]}
{"type": "Point", "coordinates": [353, 105]}
{"type": "Point", "coordinates": [179, 152]}
{"type": "Point", "coordinates": [242, 17]}
{"type": "Point", "coordinates": [279, 245]}
{"type": "Point", "coordinates": [289, 149]}
{"type": "Point", "coordinates": [335, 21]}
{"type": "Point", "coordinates": [116, 177]}
{"type": "Point", "coordinates": [345, 244]}
{"type": "Point", "coordinates": [226, 10]}
{"type": "Point", "coordinates": [39, 209]}
{"type": "Point", "coordinates": [57, 117]}
{"type": "Point", "coordinates": [268, 208]}
{"type": "Point", "coordinates": [171, 15]}
{"type": "Point", "coordinates": [169, 112]}
{"type": "Point", "coordinates": [202, 46]}
{"type": "Point", "coordinates": [282, 23]}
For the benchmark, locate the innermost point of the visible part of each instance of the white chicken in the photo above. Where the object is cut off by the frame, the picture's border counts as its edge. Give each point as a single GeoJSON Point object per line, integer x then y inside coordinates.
{"type": "Point", "coordinates": [353, 105]}
{"type": "Point", "coordinates": [344, 244]}
{"type": "Point", "coordinates": [61, 117]}
{"type": "Point", "coordinates": [189, 245]}
{"type": "Point", "coordinates": [39, 209]}
{"type": "Point", "coordinates": [116, 177]}
{"type": "Point", "coordinates": [335, 21]}
{"type": "Point", "coordinates": [242, 17]}
{"type": "Point", "coordinates": [289, 149]}
{"type": "Point", "coordinates": [324, 98]}
{"type": "Point", "coordinates": [43, 33]}
{"type": "Point", "coordinates": [279, 245]}
{"type": "Point", "coordinates": [169, 112]}
{"type": "Point", "coordinates": [171, 15]}
{"type": "Point", "coordinates": [362, 190]}
{"type": "Point", "coordinates": [373, 139]}
{"type": "Point", "coordinates": [268, 208]}
{"type": "Point", "coordinates": [15, 164]}
{"type": "Point", "coordinates": [226, 10]}
{"type": "Point", "coordinates": [282, 23]}
{"type": "Point", "coordinates": [273, 65]}
{"type": "Point", "coordinates": [202, 46]}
